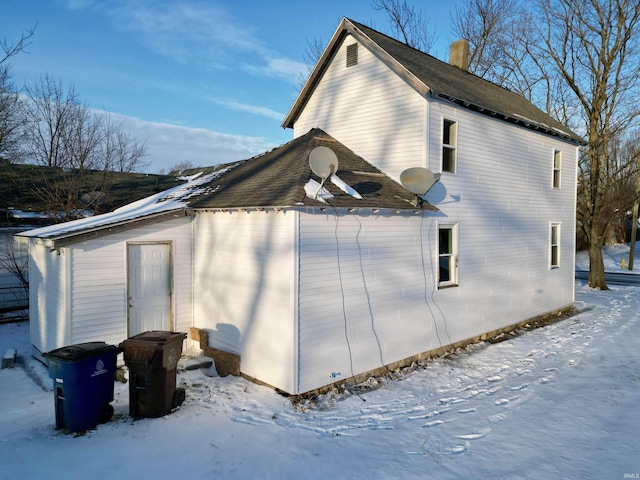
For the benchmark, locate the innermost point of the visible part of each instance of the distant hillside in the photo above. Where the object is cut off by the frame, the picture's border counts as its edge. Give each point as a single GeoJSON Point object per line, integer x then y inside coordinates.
{"type": "Point", "coordinates": [22, 187]}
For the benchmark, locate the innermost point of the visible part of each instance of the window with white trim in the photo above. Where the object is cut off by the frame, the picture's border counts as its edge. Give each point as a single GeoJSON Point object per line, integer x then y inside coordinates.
{"type": "Point", "coordinates": [447, 255]}
{"type": "Point", "coordinates": [554, 246]}
{"type": "Point", "coordinates": [557, 167]}
{"type": "Point", "coordinates": [449, 144]}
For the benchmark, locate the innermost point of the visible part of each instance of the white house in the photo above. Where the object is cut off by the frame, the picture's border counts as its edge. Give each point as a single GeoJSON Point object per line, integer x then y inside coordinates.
{"type": "Point", "coordinates": [313, 284]}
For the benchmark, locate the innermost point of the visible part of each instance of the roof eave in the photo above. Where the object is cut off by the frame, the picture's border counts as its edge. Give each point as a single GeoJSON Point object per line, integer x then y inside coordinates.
{"type": "Point", "coordinates": [69, 238]}
{"type": "Point", "coordinates": [347, 27]}
{"type": "Point", "coordinates": [566, 135]}
{"type": "Point", "coordinates": [316, 73]}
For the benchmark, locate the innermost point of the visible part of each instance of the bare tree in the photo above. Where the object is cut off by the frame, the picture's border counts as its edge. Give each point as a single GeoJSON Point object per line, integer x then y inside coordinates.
{"type": "Point", "coordinates": [14, 259]}
{"type": "Point", "coordinates": [9, 49]}
{"type": "Point", "coordinates": [500, 35]}
{"type": "Point", "coordinates": [312, 54]}
{"type": "Point", "coordinates": [49, 113]}
{"type": "Point", "coordinates": [60, 132]}
{"type": "Point", "coordinates": [181, 166]}
{"type": "Point", "coordinates": [121, 151]}
{"type": "Point", "coordinates": [82, 147]}
{"type": "Point", "coordinates": [10, 116]}
{"type": "Point", "coordinates": [487, 25]}
{"type": "Point", "coordinates": [620, 185]}
{"type": "Point", "coordinates": [579, 60]}
{"type": "Point", "coordinates": [407, 24]}
{"type": "Point", "coordinates": [593, 44]}
{"type": "Point", "coordinates": [10, 113]}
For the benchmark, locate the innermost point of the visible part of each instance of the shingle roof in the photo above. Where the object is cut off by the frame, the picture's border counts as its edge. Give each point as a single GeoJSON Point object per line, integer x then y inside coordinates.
{"type": "Point", "coordinates": [273, 179]}
{"type": "Point", "coordinates": [432, 76]}
{"type": "Point", "coordinates": [278, 178]}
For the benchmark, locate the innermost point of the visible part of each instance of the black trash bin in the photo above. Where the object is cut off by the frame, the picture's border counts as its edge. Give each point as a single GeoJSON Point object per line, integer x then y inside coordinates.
{"type": "Point", "coordinates": [83, 381]}
{"type": "Point", "coordinates": [152, 358]}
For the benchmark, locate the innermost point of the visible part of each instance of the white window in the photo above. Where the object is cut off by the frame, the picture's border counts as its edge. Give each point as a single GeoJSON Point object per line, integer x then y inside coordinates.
{"type": "Point", "coordinates": [554, 246]}
{"type": "Point", "coordinates": [557, 167]}
{"type": "Point", "coordinates": [449, 142]}
{"type": "Point", "coordinates": [447, 255]}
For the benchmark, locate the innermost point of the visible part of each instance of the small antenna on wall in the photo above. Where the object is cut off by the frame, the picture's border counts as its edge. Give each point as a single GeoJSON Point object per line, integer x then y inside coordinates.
{"type": "Point", "coordinates": [324, 163]}
{"type": "Point", "coordinates": [418, 180]}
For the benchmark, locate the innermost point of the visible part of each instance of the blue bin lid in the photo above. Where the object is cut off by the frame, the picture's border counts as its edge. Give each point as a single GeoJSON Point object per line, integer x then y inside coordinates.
{"type": "Point", "coordinates": [81, 351]}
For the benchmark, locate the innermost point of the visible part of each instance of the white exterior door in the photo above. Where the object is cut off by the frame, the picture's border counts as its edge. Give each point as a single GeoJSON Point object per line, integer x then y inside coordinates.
{"type": "Point", "coordinates": [149, 288]}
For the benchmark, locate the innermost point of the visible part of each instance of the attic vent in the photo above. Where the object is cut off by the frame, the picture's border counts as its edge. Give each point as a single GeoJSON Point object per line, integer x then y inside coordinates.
{"type": "Point", "coordinates": [352, 55]}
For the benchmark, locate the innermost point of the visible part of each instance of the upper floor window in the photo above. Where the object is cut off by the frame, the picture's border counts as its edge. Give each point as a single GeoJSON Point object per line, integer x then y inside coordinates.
{"type": "Point", "coordinates": [352, 55]}
{"type": "Point", "coordinates": [557, 166]}
{"type": "Point", "coordinates": [449, 141]}
{"type": "Point", "coordinates": [554, 245]}
{"type": "Point", "coordinates": [447, 255]}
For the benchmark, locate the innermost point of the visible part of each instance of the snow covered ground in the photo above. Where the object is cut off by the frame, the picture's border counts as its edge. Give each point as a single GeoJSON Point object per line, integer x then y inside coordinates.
{"type": "Point", "coordinates": [557, 402]}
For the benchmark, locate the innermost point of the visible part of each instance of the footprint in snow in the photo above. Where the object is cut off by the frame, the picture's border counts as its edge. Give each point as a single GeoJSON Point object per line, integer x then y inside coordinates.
{"type": "Point", "coordinates": [433, 413]}
{"type": "Point", "coordinates": [474, 436]}
{"type": "Point", "coordinates": [498, 417]}
{"type": "Point", "coordinates": [457, 449]}
{"type": "Point", "coordinates": [468, 410]}
{"type": "Point", "coordinates": [493, 390]}
{"type": "Point", "coordinates": [435, 423]}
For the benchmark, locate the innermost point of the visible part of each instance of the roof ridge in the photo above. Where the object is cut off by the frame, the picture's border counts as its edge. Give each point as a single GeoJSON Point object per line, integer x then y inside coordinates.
{"type": "Point", "coordinates": [406, 45]}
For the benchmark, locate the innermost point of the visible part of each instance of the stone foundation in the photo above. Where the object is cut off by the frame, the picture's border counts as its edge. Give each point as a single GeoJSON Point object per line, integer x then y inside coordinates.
{"type": "Point", "coordinates": [226, 363]}
{"type": "Point", "coordinates": [229, 363]}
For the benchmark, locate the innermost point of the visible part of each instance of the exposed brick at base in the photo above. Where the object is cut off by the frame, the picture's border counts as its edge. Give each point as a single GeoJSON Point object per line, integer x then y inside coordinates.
{"type": "Point", "coordinates": [226, 363]}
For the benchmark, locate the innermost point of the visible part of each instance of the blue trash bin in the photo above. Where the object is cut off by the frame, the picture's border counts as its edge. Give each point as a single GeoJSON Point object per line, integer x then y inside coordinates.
{"type": "Point", "coordinates": [83, 382]}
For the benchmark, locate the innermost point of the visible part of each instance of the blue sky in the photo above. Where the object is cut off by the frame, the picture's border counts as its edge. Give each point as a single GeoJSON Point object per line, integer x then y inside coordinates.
{"type": "Point", "coordinates": [199, 80]}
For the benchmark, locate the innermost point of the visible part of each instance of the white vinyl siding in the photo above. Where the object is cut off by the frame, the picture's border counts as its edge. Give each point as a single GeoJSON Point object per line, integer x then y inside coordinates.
{"type": "Point", "coordinates": [244, 289]}
{"type": "Point", "coordinates": [99, 302]}
{"type": "Point", "coordinates": [378, 115]}
{"type": "Point", "coordinates": [501, 200]}
{"type": "Point", "coordinates": [91, 303]}
{"type": "Point", "coordinates": [48, 298]}
{"type": "Point", "coordinates": [363, 296]}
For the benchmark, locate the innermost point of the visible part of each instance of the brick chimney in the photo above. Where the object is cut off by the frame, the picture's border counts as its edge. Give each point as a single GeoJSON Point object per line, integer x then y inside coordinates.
{"type": "Point", "coordinates": [459, 54]}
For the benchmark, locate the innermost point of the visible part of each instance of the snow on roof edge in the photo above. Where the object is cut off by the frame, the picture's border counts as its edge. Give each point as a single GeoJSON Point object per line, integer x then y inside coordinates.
{"type": "Point", "coordinates": [174, 198]}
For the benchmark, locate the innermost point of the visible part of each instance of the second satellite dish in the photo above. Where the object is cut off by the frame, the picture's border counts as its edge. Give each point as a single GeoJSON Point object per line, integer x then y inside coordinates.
{"type": "Point", "coordinates": [418, 180]}
{"type": "Point", "coordinates": [323, 162]}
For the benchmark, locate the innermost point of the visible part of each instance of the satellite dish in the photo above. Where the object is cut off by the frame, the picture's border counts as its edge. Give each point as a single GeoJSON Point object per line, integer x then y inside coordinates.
{"type": "Point", "coordinates": [418, 180]}
{"type": "Point", "coordinates": [323, 162]}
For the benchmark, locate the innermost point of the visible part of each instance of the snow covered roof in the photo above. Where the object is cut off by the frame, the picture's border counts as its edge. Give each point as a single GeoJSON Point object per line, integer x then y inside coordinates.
{"type": "Point", "coordinates": [431, 76]}
{"type": "Point", "coordinates": [280, 178]}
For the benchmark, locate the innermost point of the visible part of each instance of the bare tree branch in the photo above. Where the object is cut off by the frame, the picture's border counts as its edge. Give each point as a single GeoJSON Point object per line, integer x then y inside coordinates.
{"type": "Point", "coordinates": [407, 24]}
{"type": "Point", "coordinates": [10, 49]}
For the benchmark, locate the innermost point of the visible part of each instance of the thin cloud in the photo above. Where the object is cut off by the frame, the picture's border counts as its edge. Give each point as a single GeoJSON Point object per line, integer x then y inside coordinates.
{"type": "Point", "coordinates": [194, 31]}
{"type": "Point", "coordinates": [168, 144]}
{"type": "Point", "coordinates": [253, 109]}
